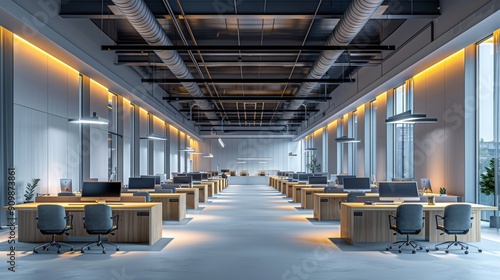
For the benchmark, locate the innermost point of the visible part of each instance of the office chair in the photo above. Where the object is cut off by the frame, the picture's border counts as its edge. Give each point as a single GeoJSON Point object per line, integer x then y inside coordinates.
{"type": "Point", "coordinates": [409, 219]}
{"type": "Point", "coordinates": [145, 194]}
{"type": "Point", "coordinates": [457, 221]}
{"type": "Point", "coordinates": [66, 194]}
{"type": "Point", "coordinates": [351, 197]}
{"type": "Point", "coordinates": [99, 220]}
{"type": "Point", "coordinates": [52, 220]}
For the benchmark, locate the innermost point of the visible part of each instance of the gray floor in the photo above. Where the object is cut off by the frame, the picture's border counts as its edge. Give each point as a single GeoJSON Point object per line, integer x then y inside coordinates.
{"type": "Point", "coordinates": [252, 232]}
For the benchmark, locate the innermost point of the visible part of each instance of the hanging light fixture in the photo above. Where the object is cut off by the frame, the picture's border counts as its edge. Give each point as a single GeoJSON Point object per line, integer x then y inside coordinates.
{"type": "Point", "coordinates": [221, 143]}
{"type": "Point", "coordinates": [187, 149]}
{"type": "Point", "coordinates": [345, 139]}
{"type": "Point", "coordinates": [94, 119]}
{"type": "Point", "coordinates": [290, 154]}
{"type": "Point", "coordinates": [154, 136]}
{"type": "Point", "coordinates": [409, 118]}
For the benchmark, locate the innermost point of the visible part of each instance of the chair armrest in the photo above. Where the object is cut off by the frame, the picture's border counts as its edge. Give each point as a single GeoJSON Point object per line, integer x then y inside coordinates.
{"type": "Point", "coordinates": [392, 218]}
{"type": "Point", "coordinates": [115, 219]}
{"type": "Point", "coordinates": [69, 221]}
{"type": "Point", "coordinates": [438, 218]}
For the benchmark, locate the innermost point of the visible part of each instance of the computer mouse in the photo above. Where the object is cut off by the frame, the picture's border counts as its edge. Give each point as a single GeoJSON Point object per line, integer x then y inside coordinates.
{"type": "Point", "coordinates": [368, 202]}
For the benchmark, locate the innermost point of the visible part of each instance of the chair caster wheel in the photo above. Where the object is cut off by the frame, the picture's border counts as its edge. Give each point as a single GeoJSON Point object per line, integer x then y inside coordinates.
{"type": "Point", "coordinates": [35, 251]}
{"type": "Point", "coordinates": [427, 250]}
{"type": "Point", "coordinates": [58, 251]}
{"type": "Point", "coordinates": [480, 251]}
{"type": "Point", "coordinates": [413, 251]}
{"type": "Point", "coordinates": [117, 249]}
{"type": "Point", "coordinates": [71, 249]}
{"type": "Point", "coordinates": [436, 248]}
{"type": "Point", "coordinates": [399, 251]}
{"type": "Point", "coordinates": [82, 251]}
{"type": "Point", "coordinates": [466, 252]}
{"type": "Point", "coordinates": [88, 247]}
{"type": "Point", "coordinates": [446, 251]}
{"type": "Point", "coordinates": [104, 252]}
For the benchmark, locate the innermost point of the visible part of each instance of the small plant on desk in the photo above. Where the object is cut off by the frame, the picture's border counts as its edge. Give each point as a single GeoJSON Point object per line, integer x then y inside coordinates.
{"type": "Point", "coordinates": [30, 190]}
{"type": "Point", "coordinates": [442, 191]}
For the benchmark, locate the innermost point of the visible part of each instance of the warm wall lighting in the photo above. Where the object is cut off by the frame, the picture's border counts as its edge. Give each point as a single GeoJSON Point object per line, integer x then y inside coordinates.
{"type": "Point", "coordinates": [208, 156]}
{"type": "Point", "coordinates": [94, 119]}
{"type": "Point", "coordinates": [409, 118]}
{"type": "Point", "coordinates": [154, 136]}
{"type": "Point", "coordinates": [187, 149]}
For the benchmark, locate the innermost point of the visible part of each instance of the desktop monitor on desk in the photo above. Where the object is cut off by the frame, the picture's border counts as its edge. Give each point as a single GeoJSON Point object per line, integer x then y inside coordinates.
{"type": "Point", "coordinates": [101, 191]}
{"type": "Point", "coordinates": [295, 177]}
{"type": "Point", "coordinates": [66, 185]}
{"type": "Point", "coordinates": [141, 183]}
{"type": "Point", "coordinates": [398, 191]}
{"type": "Point", "coordinates": [318, 180]}
{"type": "Point", "coordinates": [340, 178]}
{"type": "Point", "coordinates": [156, 177]}
{"type": "Point", "coordinates": [304, 177]}
{"type": "Point", "coordinates": [204, 176]}
{"type": "Point", "coordinates": [425, 185]}
{"type": "Point", "coordinates": [183, 180]}
{"type": "Point", "coordinates": [197, 177]}
{"type": "Point", "coordinates": [356, 184]}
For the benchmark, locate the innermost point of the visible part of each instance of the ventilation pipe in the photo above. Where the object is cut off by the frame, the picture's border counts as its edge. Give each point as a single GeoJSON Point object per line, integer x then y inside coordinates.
{"type": "Point", "coordinates": [355, 17]}
{"type": "Point", "coordinates": [143, 20]}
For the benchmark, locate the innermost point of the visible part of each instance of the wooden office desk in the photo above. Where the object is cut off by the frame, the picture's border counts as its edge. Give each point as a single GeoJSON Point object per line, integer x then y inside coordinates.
{"type": "Point", "coordinates": [297, 190]}
{"type": "Point", "coordinates": [287, 190]}
{"type": "Point", "coordinates": [192, 196]}
{"type": "Point", "coordinates": [209, 190]}
{"type": "Point", "coordinates": [173, 205]}
{"type": "Point", "coordinates": [138, 222]}
{"type": "Point", "coordinates": [217, 186]}
{"type": "Point", "coordinates": [307, 195]}
{"type": "Point", "coordinates": [281, 185]}
{"type": "Point", "coordinates": [369, 223]}
{"type": "Point", "coordinates": [202, 192]}
{"type": "Point", "coordinates": [327, 205]}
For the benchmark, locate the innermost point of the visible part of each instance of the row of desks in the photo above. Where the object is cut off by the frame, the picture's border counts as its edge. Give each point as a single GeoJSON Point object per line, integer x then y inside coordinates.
{"type": "Point", "coordinates": [369, 223]}
{"type": "Point", "coordinates": [140, 222]}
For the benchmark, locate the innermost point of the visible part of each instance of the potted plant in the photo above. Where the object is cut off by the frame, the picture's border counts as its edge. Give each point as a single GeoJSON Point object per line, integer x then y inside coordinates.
{"type": "Point", "coordinates": [313, 166]}
{"type": "Point", "coordinates": [442, 191]}
{"type": "Point", "coordinates": [487, 183]}
{"type": "Point", "coordinates": [30, 190]}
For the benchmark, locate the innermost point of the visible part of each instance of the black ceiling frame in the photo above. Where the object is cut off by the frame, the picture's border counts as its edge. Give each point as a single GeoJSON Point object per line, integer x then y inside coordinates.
{"type": "Point", "coordinates": [134, 47]}
{"type": "Point", "coordinates": [248, 98]}
{"type": "Point", "coordinates": [249, 81]}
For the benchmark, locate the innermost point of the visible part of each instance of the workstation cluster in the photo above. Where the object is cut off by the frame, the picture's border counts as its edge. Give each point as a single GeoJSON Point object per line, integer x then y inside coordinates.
{"type": "Point", "coordinates": [125, 213]}
{"type": "Point", "coordinates": [364, 208]}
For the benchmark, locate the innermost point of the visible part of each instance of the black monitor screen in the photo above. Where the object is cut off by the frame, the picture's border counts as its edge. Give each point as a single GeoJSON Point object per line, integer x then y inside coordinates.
{"type": "Point", "coordinates": [224, 170]}
{"type": "Point", "coordinates": [398, 191]}
{"type": "Point", "coordinates": [156, 177]}
{"type": "Point", "coordinates": [204, 176]}
{"type": "Point", "coordinates": [295, 176]}
{"type": "Point", "coordinates": [141, 183]}
{"type": "Point", "coordinates": [340, 178]}
{"type": "Point", "coordinates": [356, 184]}
{"type": "Point", "coordinates": [101, 190]}
{"type": "Point", "coordinates": [314, 180]}
{"type": "Point", "coordinates": [304, 177]}
{"type": "Point", "coordinates": [196, 176]}
{"type": "Point", "coordinates": [182, 180]}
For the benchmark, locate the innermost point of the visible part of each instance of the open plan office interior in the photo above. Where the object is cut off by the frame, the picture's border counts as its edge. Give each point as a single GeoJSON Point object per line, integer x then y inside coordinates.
{"type": "Point", "coordinates": [250, 139]}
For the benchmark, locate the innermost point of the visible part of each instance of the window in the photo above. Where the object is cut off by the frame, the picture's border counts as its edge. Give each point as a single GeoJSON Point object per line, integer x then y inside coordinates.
{"type": "Point", "coordinates": [485, 114]}
{"type": "Point", "coordinates": [354, 147]}
{"type": "Point", "coordinates": [372, 138]}
{"type": "Point", "coordinates": [112, 136]}
{"type": "Point", "coordinates": [403, 134]}
{"type": "Point", "coordinates": [340, 148]}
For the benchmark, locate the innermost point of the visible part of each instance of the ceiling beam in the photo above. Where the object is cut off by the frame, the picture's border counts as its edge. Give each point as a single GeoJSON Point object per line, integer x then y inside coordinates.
{"type": "Point", "coordinates": [126, 47]}
{"type": "Point", "coordinates": [238, 98]}
{"type": "Point", "coordinates": [249, 81]}
{"type": "Point", "coordinates": [248, 110]}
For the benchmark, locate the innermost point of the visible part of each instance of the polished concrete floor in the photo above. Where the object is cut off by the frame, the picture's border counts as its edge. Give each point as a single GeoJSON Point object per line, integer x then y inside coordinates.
{"type": "Point", "coordinates": [252, 232]}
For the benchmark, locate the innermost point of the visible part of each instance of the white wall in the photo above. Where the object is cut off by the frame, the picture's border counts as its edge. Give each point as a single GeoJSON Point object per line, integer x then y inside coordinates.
{"type": "Point", "coordinates": [45, 97]}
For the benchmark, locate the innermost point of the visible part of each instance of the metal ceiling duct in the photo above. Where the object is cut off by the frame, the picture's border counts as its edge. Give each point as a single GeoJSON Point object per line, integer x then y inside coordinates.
{"type": "Point", "coordinates": [143, 20]}
{"type": "Point", "coordinates": [353, 20]}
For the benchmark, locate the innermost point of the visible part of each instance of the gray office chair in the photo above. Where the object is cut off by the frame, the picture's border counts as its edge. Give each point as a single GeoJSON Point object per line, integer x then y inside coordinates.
{"type": "Point", "coordinates": [351, 197]}
{"type": "Point", "coordinates": [457, 221]}
{"type": "Point", "coordinates": [409, 219]}
{"type": "Point", "coordinates": [145, 194]}
{"type": "Point", "coordinates": [99, 220]}
{"type": "Point", "coordinates": [52, 220]}
{"type": "Point", "coordinates": [66, 194]}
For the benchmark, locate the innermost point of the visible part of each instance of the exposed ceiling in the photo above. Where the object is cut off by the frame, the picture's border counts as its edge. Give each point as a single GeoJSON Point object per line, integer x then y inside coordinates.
{"type": "Point", "coordinates": [247, 59]}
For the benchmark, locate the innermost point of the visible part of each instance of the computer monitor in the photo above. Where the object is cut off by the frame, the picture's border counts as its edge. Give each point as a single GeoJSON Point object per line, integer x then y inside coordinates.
{"type": "Point", "coordinates": [141, 183]}
{"type": "Point", "coordinates": [183, 180]}
{"type": "Point", "coordinates": [101, 191]}
{"type": "Point", "coordinates": [204, 176]}
{"type": "Point", "coordinates": [304, 177]}
{"type": "Point", "coordinates": [318, 180]}
{"type": "Point", "coordinates": [197, 177]}
{"type": "Point", "coordinates": [66, 185]}
{"type": "Point", "coordinates": [356, 184]}
{"type": "Point", "coordinates": [340, 178]}
{"type": "Point", "coordinates": [425, 184]}
{"type": "Point", "coordinates": [156, 177]}
{"type": "Point", "coordinates": [398, 191]}
{"type": "Point", "coordinates": [295, 177]}
{"type": "Point", "coordinates": [403, 179]}
{"type": "Point", "coordinates": [224, 170]}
